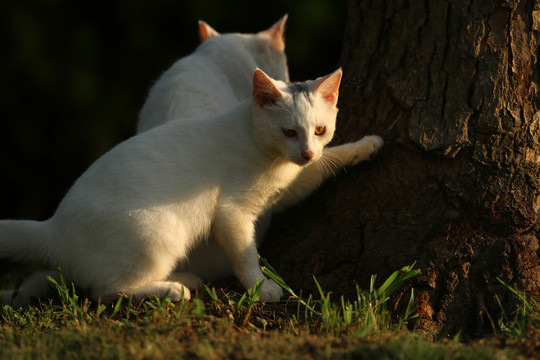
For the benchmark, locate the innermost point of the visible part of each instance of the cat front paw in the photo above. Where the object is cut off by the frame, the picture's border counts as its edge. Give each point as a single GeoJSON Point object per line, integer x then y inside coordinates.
{"type": "Point", "coordinates": [376, 143]}
{"type": "Point", "coordinates": [367, 148]}
{"type": "Point", "coordinates": [177, 292]}
{"type": "Point", "coordinates": [270, 291]}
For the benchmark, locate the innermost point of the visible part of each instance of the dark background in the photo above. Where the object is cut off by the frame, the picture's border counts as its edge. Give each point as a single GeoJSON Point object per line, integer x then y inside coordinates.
{"type": "Point", "coordinates": [74, 75]}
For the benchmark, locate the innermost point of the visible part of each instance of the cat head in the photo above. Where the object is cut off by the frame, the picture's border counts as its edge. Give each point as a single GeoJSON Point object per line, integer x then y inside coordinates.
{"type": "Point", "coordinates": [295, 120]}
{"type": "Point", "coordinates": [267, 47]}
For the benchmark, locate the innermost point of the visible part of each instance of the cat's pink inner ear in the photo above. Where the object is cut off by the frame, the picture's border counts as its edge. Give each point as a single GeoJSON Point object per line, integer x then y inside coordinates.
{"type": "Point", "coordinates": [265, 91]}
{"type": "Point", "coordinates": [328, 86]}
{"type": "Point", "coordinates": [206, 31]}
{"type": "Point", "coordinates": [276, 32]}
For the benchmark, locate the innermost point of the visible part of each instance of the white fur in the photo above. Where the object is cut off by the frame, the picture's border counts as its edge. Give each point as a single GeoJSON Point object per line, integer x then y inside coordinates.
{"type": "Point", "coordinates": [216, 76]}
{"type": "Point", "coordinates": [139, 209]}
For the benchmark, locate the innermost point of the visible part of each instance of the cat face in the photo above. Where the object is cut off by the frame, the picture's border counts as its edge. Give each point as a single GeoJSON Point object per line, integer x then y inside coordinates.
{"type": "Point", "coordinates": [295, 120]}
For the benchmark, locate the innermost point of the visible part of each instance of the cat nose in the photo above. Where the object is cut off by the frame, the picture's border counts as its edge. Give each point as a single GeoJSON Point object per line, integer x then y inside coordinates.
{"type": "Point", "coordinates": [308, 155]}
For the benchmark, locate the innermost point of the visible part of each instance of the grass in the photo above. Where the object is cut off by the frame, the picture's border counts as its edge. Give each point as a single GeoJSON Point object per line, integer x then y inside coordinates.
{"type": "Point", "coordinates": [526, 316]}
{"type": "Point", "coordinates": [219, 324]}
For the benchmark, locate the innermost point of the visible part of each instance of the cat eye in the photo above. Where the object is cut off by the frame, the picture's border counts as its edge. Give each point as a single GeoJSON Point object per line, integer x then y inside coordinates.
{"type": "Point", "coordinates": [289, 132]}
{"type": "Point", "coordinates": [320, 130]}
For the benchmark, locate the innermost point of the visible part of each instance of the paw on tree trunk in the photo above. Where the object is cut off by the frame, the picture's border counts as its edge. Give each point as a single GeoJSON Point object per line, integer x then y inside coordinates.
{"type": "Point", "coordinates": [452, 86]}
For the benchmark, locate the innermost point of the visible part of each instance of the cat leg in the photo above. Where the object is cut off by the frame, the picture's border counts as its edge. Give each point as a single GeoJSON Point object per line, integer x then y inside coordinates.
{"type": "Point", "coordinates": [333, 160]}
{"type": "Point", "coordinates": [207, 261]}
{"type": "Point", "coordinates": [355, 152]}
{"type": "Point", "coordinates": [234, 230]}
{"type": "Point", "coordinates": [174, 290]}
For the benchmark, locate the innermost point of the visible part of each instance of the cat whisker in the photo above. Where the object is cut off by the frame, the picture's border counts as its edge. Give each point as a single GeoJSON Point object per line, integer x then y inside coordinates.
{"type": "Point", "coordinates": [323, 172]}
{"type": "Point", "coordinates": [323, 164]}
{"type": "Point", "coordinates": [334, 156]}
{"type": "Point", "coordinates": [329, 164]}
{"type": "Point", "coordinates": [333, 161]}
{"type": "Point", "coordinates": [337, 159]}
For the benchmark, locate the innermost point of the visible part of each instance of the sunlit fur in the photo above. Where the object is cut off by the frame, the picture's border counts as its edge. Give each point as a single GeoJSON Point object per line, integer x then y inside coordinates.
{"type": "Point", "coordinates": [216, 77]}
{"type": "Point", "coordinates": [138, 210]}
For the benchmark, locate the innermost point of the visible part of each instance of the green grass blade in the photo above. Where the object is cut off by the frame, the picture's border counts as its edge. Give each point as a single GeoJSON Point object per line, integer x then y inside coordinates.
{"type": "Point", "coordinates": [395, 281]}
{"type": "Point", "coordinates": [117, 307]}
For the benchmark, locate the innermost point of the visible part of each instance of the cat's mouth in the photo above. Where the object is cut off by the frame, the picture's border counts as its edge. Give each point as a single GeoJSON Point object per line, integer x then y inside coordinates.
{"type": "Point", "coordinates": [303, 161]}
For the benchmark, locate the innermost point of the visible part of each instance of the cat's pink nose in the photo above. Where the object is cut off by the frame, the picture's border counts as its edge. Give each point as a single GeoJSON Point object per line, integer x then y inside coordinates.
{"type": "Point", "coordinates": [308, 155]}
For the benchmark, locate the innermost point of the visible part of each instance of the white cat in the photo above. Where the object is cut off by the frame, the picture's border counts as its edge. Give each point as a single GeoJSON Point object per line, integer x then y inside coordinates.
{"type": "Point", "coordinates": [216, 76]}
{"type": "Point", "coordinates": [137, 211]}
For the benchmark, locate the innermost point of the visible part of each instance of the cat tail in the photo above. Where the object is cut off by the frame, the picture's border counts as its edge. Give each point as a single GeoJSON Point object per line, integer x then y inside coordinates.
{"type": "Point", "coordinates": [24, 240]}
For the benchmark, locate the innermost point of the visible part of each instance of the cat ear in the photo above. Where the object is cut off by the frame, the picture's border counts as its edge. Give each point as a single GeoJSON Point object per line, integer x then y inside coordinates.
{"type": "Point", "coordinates": [328, 86]}
{"type": "Point", "coordinates": [206, 31]}
{"type": "Point", "coordinates": [276, 33]}
{"type": "Point", "coordinates": [265, 92]}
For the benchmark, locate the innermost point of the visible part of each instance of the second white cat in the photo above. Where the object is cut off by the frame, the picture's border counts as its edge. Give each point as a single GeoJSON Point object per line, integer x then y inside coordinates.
{"type": "Point", "coordinates": [216, 76]}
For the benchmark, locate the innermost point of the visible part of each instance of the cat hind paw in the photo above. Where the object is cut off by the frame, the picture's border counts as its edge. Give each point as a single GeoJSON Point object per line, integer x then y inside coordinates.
{"type": "Point", "coordinates": [190, 280]}
{"type": "Point", "coordinates": [177, 292]}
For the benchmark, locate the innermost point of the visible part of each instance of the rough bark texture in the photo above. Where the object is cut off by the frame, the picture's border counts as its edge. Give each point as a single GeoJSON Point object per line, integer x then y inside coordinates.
{"type": "Point", "coordinates": [452, 86]}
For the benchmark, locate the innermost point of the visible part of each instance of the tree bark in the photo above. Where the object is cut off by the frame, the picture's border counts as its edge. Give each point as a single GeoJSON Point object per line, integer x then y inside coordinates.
{"type": "Point", "coordinates": [452, 86]}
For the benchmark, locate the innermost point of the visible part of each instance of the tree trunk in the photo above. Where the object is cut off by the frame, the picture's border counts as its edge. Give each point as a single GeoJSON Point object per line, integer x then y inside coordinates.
{"type": "Point", "coordinates": [452, 86]}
